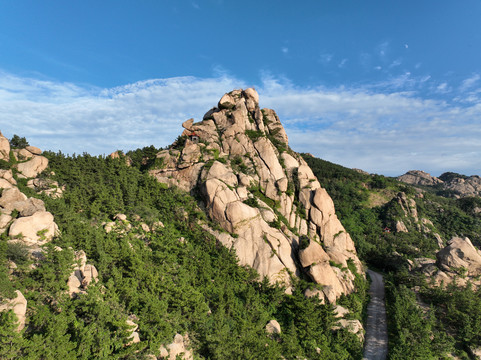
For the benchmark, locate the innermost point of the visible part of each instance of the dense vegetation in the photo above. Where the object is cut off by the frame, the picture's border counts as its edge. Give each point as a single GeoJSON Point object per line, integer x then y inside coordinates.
{"type": "Point", "coordinates": [175, 279]}
{"type": "Point", "coordinates": [450, 319]}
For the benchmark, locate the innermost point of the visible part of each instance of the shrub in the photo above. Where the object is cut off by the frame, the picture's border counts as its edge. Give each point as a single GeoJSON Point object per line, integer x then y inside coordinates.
{"type": "Point", "coordinates": [17, 252]}
{"type": "Point", "coordinates": [18, 142]}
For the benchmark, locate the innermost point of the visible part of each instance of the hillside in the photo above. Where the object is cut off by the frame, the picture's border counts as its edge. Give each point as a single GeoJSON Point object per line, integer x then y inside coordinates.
{"type": "Point", "coordinates": [428, 246]}
{"type": "Point", "coordinates": [124, 266]}
{"type": "Point", "coordinates": [228, 244]}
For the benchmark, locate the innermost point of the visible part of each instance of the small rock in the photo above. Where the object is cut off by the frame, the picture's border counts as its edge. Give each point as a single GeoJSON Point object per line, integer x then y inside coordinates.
{"type": "Point", "coordinates": [273, 327]}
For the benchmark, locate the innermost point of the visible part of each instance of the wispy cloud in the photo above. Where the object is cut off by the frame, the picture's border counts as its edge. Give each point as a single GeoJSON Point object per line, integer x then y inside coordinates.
{"type": "Point", "coordinates": [395, 63]}
{"type": "Point", "coordinates": [342, 63]}
{"type": "Point", "coordinates": [470, 82]}
{"type": "Point", "coordinates": [285, 50]}
{"type": "Point", "coordinates": [381, 127]}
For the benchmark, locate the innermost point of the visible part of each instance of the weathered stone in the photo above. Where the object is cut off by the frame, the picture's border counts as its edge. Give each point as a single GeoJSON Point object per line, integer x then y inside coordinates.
{"type": "Point", "coordinates": [4, 148]}
{"type": "Point", "coordinates": [178, 348]}
{"type": "Point", "coordinates": [273, 327]}
{"type": "Point", "coordinates": [416, 177]}
{"type": "Point", "coordinates": [11, 196]}
{"type": "Point", "coordinates": [353, 326]}
{"type": "Point", "coordinates": [187, 124]}
{"type": "Point", "coordinates": [401, 227]}
{"type": "Point", "coordinates": [37, 229]}
{"type": "Point", "coordinates": [90, 274]}
{"type": "Point", "coordinates": [226, 102]}
{"type": "Point", "coordinates": [7, 175]}
{"type": "Point", "coordinates": [22, 154]}
{"type": "Point", "coordinates": [460, 255]}
{"type": "Point", "coordinates": [34, 150]}
{"type": "Point", "coordinates": [4, 184]}
{"type": "Point", "coordinates": [33, 167]}
{"type": "Point", "coordinates": [313, 254]}
{"type": "Point", "coordinates": [120, 217]}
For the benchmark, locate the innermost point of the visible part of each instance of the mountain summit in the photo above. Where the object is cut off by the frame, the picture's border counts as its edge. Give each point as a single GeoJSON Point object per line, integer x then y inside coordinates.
{"type": "Point", "coordinates": [265, 198]}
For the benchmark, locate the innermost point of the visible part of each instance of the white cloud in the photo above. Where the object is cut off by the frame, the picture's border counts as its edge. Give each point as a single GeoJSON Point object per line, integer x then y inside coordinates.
{"type": "Point", "coordinates": [470, 82]}
{"type": "Point", "coordinates": [442, 88]}
{"type": "Point", "coordinates": [381, 128]}
{"type": "Point", "coordinates": [285, 50]}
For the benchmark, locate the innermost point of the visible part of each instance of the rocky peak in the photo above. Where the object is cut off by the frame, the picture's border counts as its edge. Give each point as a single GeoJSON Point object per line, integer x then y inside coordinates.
{"type": "Point", "coordinates": [458, 185]}
{"type": "Point", "coordinates": [264, 196]}
{"type": "Point", "coordinates": [417, 177]}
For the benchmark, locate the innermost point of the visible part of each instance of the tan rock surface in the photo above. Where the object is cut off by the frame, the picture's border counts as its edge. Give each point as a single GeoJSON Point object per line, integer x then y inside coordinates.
{"type": "Point", "coordinates": [460, 255]}
{"type": "Point", "coordinates": [33, 167]}
{"type": "Point", "coordinates": [273, 327]}
{"type": "Point", "coordinates": [36, 229]}
{"type": "Point", "coordinates": [34, 150]}
{"type": "Point", "coordinates": [4, 148]}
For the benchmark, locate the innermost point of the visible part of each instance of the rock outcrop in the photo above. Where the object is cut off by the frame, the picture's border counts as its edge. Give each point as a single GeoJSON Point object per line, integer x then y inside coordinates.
{"type": "Point", "coordinates": [178, 349]}
{"type": "Point", "coordinates": [262, 193]}
{"type": "Point", "coordinates": [25, 218]}
{"type": "Point", "coordinates": [417, 177]}
{"type": "Point", "coordinates": [458, 185]}
{"type": "Point", "coordinates": [82, 275]}
{"type": "Point", "coordinates": [458, 262]}
{"type": "Point", "coordinates": [273, 327]}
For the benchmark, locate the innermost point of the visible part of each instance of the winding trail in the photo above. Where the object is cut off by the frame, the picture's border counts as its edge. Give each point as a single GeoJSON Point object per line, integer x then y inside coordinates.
{"type": "Point", "coordinates": [375, 347]}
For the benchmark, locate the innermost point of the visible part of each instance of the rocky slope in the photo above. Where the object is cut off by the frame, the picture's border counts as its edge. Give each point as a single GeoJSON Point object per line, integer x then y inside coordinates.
{"type": "Point", "coordinates": [268, 204]}
{"type": "Point", "coordinates": [456, 184]}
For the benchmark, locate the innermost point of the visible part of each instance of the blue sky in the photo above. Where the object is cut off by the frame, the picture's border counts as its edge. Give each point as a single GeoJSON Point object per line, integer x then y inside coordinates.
{"type": "Point", "coordinates": [386, 86]}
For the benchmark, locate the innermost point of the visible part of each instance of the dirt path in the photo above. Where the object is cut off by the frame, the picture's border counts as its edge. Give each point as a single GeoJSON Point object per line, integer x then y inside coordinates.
{"type": "Point", "coordinates": [375, 347]}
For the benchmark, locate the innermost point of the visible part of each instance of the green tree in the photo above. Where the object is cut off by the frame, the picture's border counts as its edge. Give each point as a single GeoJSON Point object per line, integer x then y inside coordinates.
{"type": "Point", "coordinates": [18, 142]}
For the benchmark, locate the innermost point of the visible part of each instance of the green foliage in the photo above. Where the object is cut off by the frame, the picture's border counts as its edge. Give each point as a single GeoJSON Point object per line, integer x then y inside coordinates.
{"type": "Point", "coordinates": [460, 309]}
{"type": "Point", "coordinates": [413, 334]}
{"type": "Point", "coordinates": [304, 242]}
{"type": "Point", "coordinates": [254, 135]}
{"type": "Point", "coordinates": [4, 165]}
{"type": "Point", "coordinates": [18, 142]}
{"type": "Point", "coordinates": [11, 342]}
{"type": "Point", "coordinates": [252, 202]}
{"type": "Point", "coordinates": [194, 285]}
{"type": "Point", "coordinates": [179, 143]}
{"type": "Point", "coordinates": [7, 290]}
{"type": "Point", "coordinates": [449, 176]}
{"type": "Point", "coordinates": [17, 252]}
{"type": "Point", "coordinates": [145, 158]}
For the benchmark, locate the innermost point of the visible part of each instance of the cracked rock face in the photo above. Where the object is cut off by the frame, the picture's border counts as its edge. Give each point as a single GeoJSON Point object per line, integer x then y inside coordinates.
{"type": "Point", "coordinates": [263, 194]}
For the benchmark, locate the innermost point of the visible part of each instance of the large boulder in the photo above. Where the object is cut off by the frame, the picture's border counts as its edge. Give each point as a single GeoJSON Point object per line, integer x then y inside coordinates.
{"type": "Point", "coordinates": [33, 167]}
{"type": "Point", "coordinates": [36, 229]}
{"type": "Point", "coordinates": [460, 256]}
